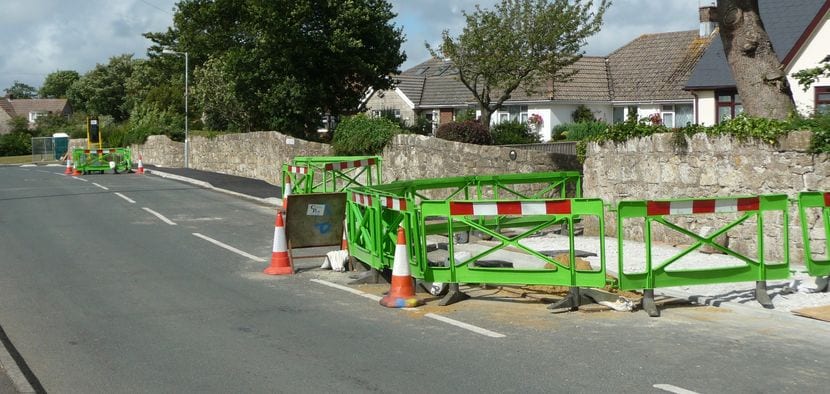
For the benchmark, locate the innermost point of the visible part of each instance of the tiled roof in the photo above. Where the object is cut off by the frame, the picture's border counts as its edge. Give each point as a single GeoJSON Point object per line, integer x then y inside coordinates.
{"type": "Point", "coordinates": [6, 106]}
{"type": "Point", "coordinates": [786, 22]}
{"type": "Point", "coordinates": [24, 106]}
{"type": "Point", "coordinates": [590, 83]}
{"type": "Point", "coordinates": [655, 66]}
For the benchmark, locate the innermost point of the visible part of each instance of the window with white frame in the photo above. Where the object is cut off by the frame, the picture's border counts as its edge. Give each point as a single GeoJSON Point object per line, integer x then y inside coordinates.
{"type": "Point", "coordinates": [387, 112]}
{"type": "Point", "coordinates": [514, 113]}
{"type": "Point", "coordinates": [676, 115]}
{"type": "Point", "coordinates": [36, 114]}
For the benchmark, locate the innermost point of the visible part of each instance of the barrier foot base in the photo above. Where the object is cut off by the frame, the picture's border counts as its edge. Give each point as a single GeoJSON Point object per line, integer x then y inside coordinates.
{"type": "Point", "coordinates": [648, 303]}
{"type": "Point", "coordinates": [453, 295]}
{"type": "Point", "coordinates": [571, 302]}
{"type": "Point", "coordinates": [372, 276]}
{"type": "Point", "coordinates": [762, 296]}
{"type": "Point", "coordinates": [822, 284]}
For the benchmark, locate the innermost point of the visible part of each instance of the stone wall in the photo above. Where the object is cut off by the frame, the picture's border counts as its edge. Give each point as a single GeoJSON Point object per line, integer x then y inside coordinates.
{"type": "Point", "coordinates": [658, 167]}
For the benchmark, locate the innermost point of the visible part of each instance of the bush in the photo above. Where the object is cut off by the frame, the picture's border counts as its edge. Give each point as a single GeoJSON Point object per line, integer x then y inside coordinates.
{"type": "Point", "coordinates": [421, 126]}
{"type": "Point", "coordinates": [584, 130]}
{"type": "Point", "coordinates": [15, 144]}
{"type": "Point", "coordinates": [469, 131]}
{"type": "Point", "coordinates": [582, 114]}
{"type": "Point", "coordinates": [361, 135]}
{"type": "Point", "coordinates": [514, 132]}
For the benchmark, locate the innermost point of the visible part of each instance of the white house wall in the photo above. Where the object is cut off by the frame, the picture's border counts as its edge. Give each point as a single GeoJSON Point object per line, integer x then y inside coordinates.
{"type": "Point", "coordinates": [810, 56]}
{"type": "Point", "coordinates": [706, 108]}
{"type": "Point", "coordinates": [391, 100]}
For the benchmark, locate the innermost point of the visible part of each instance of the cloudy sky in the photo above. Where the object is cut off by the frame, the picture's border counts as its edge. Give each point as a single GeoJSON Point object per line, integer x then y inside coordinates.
{"type": "Point", "coordinates": [42, 36]}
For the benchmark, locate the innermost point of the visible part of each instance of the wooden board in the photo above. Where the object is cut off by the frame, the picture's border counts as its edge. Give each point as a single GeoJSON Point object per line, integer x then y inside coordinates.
{"type": "Point", "coordinates": [816, 312]}
{"type": "Point", "coordinates": [315, 219]}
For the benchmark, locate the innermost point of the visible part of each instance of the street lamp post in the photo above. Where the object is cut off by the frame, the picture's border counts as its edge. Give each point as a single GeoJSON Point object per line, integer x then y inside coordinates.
{"type": "Point", "coordinates": [186, 133]}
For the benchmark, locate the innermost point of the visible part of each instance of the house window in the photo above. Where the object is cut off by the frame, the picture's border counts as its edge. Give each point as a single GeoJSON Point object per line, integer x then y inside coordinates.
{"type": "Point", "coordinates": [619, 115]}
{"type": "Point", "coordinates": [432, 118]}
{"type": "Point", "coordinates": [676, 115]}
{"type": "Point", "coordinates": [514, 113]}
{"type": "Point", "coordinates": [729, 104]}
{"type": "Point", "coordinates": [389, 113]}
{"type": "Point", "coordinates": [822, 99]}
{"type": "Point", "coordinates": [36, 114]}
{"type": "Point", "coordinates": [667, 114]}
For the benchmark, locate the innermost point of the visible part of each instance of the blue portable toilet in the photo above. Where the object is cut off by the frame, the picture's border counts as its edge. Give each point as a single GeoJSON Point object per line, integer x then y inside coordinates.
{"type": "Point", "coordinates": [61, 143]}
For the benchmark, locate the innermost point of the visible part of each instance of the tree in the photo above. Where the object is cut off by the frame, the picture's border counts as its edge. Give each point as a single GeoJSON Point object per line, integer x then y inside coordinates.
{"type": "Point", "coordinates": [758, 73]}
{"type": "Point", "coordinates": [287, 62]}
{"type": "Point", "coordinates": [809, 76]}
{"type": "Point", "coordinates": [20, 90]}
{"type": "Point", "coordinates": [102, 91]}
{"type": "Point", "coordinates": [57, 83]}
{"type": "Point", "coordinates": [521, 43]}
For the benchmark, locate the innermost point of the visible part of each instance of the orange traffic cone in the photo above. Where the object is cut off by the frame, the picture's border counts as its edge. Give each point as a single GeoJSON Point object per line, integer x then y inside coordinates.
{"type": "Point", "coordinates": [344, 245]}
{"type": "Point", "coordinates": [402, 291]}
{"type": "Point", "coordinates": [140, 170]}
{"type": "Point", "coordinates": [75, 171]}
{"type": "Point", "coordinates": [280, 262]}
{"type": "Point", "coordinates": [286, 191]}
{"type": "Point", "coordinates": [68, 170]}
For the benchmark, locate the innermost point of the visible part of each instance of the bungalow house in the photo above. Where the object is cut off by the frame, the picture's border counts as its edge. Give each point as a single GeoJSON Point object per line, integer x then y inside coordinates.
{"type": "Point", "coordinates": [645, 77]}
{"type": "Point", "coordinates": [31, 109]}
{"type": "Point", "coordinates": [799, 31]}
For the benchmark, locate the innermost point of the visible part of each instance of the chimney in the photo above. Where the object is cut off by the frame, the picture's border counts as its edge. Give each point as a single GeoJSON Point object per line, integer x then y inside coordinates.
{"type": "Point", "coordinates": [708, 20]}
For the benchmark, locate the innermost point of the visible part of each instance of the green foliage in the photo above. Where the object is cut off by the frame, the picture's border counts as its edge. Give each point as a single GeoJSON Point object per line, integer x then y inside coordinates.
{"type": "Point", "coordinates": [20, 90]}
{"type": "Point", "coordinates": [421, 126]}
{"type": "Point", "coordinates": [57, 83]}
{"type": "Point", "coordinates": [19, 124]}
{"type": "Point", "coordinates": [281, 64]}
{"type": "Point", "coordinates": [519, 43]}
{"type": "Point", "coordinates": [146, 120]}
{"type": "Point", "coordinates": [582, 114]}
{"type": "Point", "coordinates": [465, 115]}
{"type": "Point", "coordinates": [15, 144]}
{"type": "Point", "coordinates": [751, 128]}
{"type": "Point", "coordinates": [581, 131]}
{"type": "Point", "coordinates": [102, 91]}
{"type": "Point", "coordinates": [514, 132]}
{"type": "Point", "coordinates": [809, 76]}
{"type": "Point", "coordinates": [558, 132]}
{"type": "Point", "coordinates": [361, 135]}
{"type": "Point", "coordinates": [469, 131]}
{"type": "Point", "coordinates": [819, 124]}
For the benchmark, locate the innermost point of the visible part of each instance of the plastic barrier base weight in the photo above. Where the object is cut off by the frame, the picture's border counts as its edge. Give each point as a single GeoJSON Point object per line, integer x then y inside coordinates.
{"type": "Point", "coordinates": [648, 303]}
{"type": "Point", "coordinates": [761, 295]}
{"type": "Point", "coordinates": [453, 296]}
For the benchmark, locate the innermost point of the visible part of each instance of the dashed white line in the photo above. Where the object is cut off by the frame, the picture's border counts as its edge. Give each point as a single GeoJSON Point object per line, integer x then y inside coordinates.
{"type": "Point", "coordinates": [79, 178]}
{"type": "Point", "coordinates": [101, 186]}
{"type": "Point", "coordinates": [673, 389]}
{"type": "Point", "coordinates": [348, 289]}
{"type": "Point", "coordinates": [160, 216]}
{"type": "Point", "coordinates": [466, 326]}
{"type": "Point", "coordinates": [231, 248]}
{"type": "Point", "coordinates": [475, 329]}
{"type": "Point", "coordinates": [129, 200]}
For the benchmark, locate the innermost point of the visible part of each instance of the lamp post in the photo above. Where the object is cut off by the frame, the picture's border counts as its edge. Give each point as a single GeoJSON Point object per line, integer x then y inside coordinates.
{"type": "Point", "coordinates": [186, 134]}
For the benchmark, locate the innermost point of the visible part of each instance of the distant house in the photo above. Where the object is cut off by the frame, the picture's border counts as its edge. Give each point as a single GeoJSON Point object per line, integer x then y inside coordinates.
{"type": "Point", "coordinates": [800, 35]}
{"type": "Point", "coordinates": [31, 109]}
{"type": "Point", "coordinates": [645, 77]}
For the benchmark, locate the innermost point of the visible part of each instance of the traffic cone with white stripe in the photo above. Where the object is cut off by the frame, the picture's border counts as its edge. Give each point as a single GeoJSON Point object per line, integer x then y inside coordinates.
{"type": "Point", "coordinates": [280, 261]}
{"type": "Point", "coordinates": [344, 245]}
{"type": "Point", "coordinates": [75, 171]}
{"type": "Point", "coordinates": [402, 291]}
{"type": "Point", "coordinates": [140, 170]}
{"type": "Point", "coordinates": [286, 191]}
{"type": "Point", "coordinates": [68, 170]}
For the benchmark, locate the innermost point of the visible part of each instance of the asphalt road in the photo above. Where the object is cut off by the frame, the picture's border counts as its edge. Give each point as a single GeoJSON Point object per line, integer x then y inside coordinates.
{"type": "Point", "coordinates": [111, 283]}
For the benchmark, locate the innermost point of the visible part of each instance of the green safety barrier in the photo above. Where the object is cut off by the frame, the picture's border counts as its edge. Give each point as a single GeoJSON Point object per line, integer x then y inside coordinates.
{"type": "Point", "coordinates": [331, 174]}
{"type": "Point", "coordinates": [815, 200]}
{"type": "Point", "coordinates": [657, 274]}
{"type": "Point", "coordinates": [116, 159]}
{"type": "Point", "coordinates": [375, 212]}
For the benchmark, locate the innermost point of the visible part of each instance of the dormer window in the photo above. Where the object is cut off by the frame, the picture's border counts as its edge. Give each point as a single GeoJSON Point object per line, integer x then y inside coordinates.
{"type": "Point", "coordinates": [33, 115]}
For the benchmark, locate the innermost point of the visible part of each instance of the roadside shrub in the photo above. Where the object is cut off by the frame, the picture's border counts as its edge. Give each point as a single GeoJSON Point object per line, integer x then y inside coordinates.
{"type": "Point", "coordinates": [583, 130]}
{"type": "Point", "coordinates": [468, 131]}
{"type": "Point", "coordinates": [514, 132]}
{"type": "Point", "coordinates": [15, 144]}
{"type": "Point", "coordinates": [361, 135]}
{"type": "Point", "coordinates": [582, 114]}
{"type": "Point", "coordinates": [421, 126]}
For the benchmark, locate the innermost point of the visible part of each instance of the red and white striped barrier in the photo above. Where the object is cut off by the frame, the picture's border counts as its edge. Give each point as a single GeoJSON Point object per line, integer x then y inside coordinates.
{"type": "Point", "coordinates": [362, 199]}
{"type": "Point", "coordinates": [298, 170]}
{"type": "Point", "coordinates": [551, 207]}
{"type": "Point", "coordinates": [690, 207]}
{"type": "Point", "coordinates": [349, 164]}
{"type": "Point", "coordinates": [397, 204]}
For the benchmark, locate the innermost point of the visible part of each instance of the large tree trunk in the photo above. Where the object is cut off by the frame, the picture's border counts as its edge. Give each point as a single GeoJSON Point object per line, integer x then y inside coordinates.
{"type": "Point", "coordinates": [758, 74]}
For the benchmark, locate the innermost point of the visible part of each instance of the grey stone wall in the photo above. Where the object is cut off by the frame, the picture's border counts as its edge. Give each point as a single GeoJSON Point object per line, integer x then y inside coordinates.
{"type": "Point", "coordinates": [658, 167]}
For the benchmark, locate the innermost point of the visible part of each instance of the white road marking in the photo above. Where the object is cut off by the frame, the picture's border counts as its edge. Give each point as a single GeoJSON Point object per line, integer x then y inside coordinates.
{"type": "Point", "coordinates": [475, 329]}
{"type": "Point", "coordinates": [348, 289]}
{"type": "Point", "coordinates": [28, 165]}
{"type": "Point", "coordinates": [129, 200]}
{"type": "Point", "coordinates": [79, 178]}
{"type": "Point", "coordinates": [231, 248]}
{"type": "Point", "coordinates": [102, 187]}
{"type": "Point", "coordinates": [160, 216]}
{"type": "Point", "coordinates": [673, 389]}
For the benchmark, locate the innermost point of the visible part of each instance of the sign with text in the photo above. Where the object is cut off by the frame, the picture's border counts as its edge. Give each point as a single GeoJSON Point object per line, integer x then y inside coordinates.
{"type": "Point", "coordinates": [315, 219]}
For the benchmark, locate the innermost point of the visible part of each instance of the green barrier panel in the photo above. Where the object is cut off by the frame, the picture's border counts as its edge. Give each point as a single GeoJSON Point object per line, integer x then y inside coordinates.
{"type": "Point", "coordinates": [375, 212]}
{"type": "Point", "coordinates": [656, 275]}
{"type": "Point", "coordinates": [331, 174]}
{"type": "Point", "coordinates": [89, 160]}
{"type": "Point", "coordinates": [821, 201]}
{"type": "Point", "coordinates": [539, 214]}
